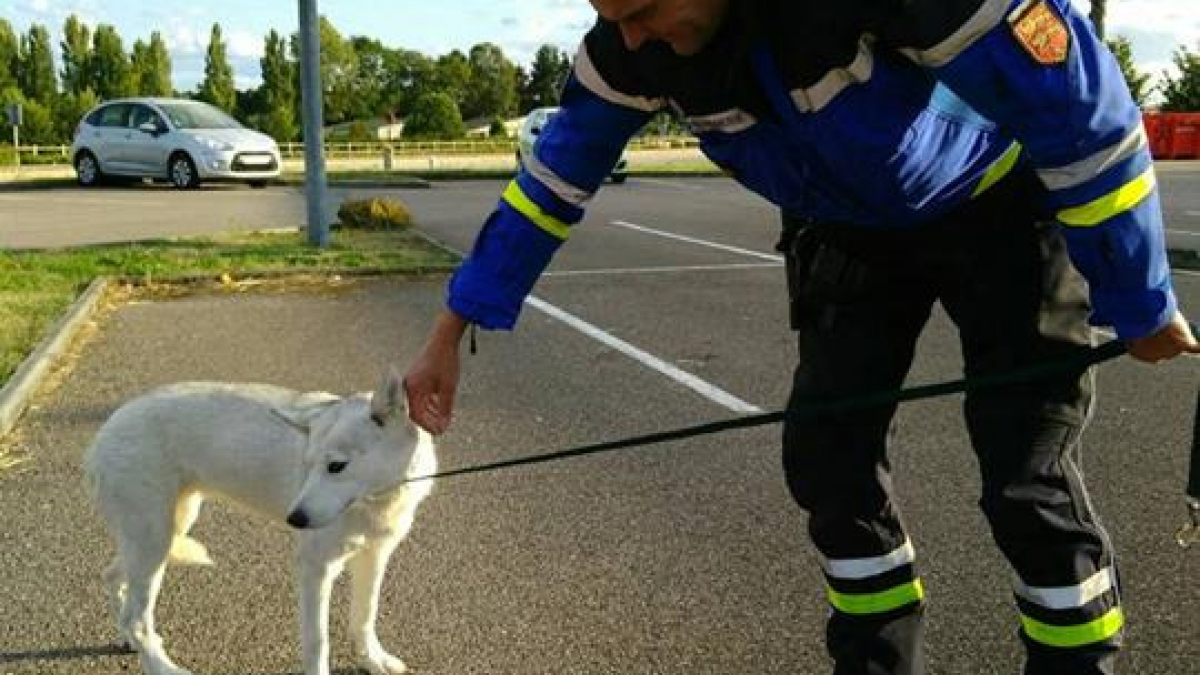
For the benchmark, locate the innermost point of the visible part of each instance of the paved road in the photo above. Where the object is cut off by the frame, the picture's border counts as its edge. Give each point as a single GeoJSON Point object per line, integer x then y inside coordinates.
{"type": "Point", "coordinates": [69, 216]}
{"type": "Point", "coordinates": [686, 558]}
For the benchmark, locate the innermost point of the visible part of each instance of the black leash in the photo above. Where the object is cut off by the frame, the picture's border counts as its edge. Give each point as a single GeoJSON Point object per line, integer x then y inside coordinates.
{"type": "Point", "coordinates": [1088, 357]}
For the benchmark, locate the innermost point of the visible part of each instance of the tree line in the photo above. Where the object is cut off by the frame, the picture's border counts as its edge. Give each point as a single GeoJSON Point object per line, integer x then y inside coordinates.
{"type": "Point", "coordinates": [363, 79]}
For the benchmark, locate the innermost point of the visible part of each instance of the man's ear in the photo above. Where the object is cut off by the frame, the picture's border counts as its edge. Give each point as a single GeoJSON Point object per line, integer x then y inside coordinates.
{"type": "Point", "coordinates": [386, 400]}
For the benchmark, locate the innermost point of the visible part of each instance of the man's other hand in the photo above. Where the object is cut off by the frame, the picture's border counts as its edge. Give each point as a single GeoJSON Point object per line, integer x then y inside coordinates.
{"type": "Point", "coordinates": [1170, 341]}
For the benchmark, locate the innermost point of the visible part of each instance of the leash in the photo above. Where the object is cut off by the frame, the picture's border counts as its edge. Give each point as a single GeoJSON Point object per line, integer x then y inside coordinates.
{"type": "Point", "coordinates": [1187, 535]}
{"type": "Point", "coordinates": [1091, 356]}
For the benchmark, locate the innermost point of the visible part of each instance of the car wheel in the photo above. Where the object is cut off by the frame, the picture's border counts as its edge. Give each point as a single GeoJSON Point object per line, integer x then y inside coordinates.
{"type": "Point", "coordinates": [183, 172]}
{"type": "Point", "coordinates": [87, 169]}
{"type": "Point", "coordinates": [619, 178]}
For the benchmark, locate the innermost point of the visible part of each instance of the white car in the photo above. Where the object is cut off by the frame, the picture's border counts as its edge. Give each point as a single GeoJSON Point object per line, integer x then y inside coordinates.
{"type": "Point", "coordinates": [532, 126]}
{"type": "Point", "coordinates": [180, 140]}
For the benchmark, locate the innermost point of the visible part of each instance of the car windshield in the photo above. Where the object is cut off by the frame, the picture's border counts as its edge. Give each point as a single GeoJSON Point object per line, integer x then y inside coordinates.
{"type": "Point", "coordinates": [198, 116]}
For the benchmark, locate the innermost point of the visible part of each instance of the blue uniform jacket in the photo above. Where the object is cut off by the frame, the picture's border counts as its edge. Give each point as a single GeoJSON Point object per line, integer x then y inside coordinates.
{"type": "Point", "coordinates": [876, 113]}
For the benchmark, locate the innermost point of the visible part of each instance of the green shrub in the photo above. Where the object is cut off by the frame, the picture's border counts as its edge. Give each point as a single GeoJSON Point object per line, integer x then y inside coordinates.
{"type": "Point", "coordinates": [377, 213]}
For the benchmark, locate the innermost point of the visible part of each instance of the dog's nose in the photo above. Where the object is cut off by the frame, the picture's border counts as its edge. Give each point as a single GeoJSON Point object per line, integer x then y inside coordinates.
{"type": "Point", "coordinates": [298, 519]}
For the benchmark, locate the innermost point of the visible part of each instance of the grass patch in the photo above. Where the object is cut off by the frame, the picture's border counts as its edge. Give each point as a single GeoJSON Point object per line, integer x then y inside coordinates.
{"type": "Point", "coordinates": [37, 286]}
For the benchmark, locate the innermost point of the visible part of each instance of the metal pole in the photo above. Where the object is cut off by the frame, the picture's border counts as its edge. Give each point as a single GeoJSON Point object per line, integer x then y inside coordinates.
{"type": "Point", "coordinates": [314, 123]}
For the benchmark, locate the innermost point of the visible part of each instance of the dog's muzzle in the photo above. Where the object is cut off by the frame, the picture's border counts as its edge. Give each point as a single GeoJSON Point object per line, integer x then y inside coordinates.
{"type": "Point", "coordinates": [298, 519]}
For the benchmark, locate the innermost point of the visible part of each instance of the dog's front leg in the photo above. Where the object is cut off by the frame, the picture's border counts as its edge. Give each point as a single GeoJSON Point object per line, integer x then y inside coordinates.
{"type": "Point", "coordinates": [316, 576]}
{"type": "Point", "coordinates": [367, 568]}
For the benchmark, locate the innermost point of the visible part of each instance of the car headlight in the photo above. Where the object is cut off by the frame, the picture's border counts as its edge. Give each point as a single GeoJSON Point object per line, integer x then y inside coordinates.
{"type": "Point", "coordinates": [213, 144]}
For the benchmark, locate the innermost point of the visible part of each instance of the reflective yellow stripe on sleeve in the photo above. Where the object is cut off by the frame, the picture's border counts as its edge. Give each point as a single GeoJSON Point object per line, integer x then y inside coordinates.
{"type": "Point", "coordinates": [1118, 201]}
{"type": "Point", "coordinates": [1077, 635]}
{"type": "Point", "coordinates": [877, 603]}
{"type": "Point", "coordinates": [999, 169]}
{"type": "Point", "coordinates": [517, 199]}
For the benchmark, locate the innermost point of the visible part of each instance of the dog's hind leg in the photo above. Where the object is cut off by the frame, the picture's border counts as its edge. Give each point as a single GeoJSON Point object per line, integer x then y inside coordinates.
{"type": "Point", "coordinates": [184, 549]}
{"type": "Point", "coordinates": [367, 568]}
{"type": "Point", "coordinates": [143, 543]}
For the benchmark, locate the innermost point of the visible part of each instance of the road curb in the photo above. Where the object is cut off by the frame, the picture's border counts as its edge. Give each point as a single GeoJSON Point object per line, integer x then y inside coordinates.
{"type": "Point", "coordinates": [29, 376]}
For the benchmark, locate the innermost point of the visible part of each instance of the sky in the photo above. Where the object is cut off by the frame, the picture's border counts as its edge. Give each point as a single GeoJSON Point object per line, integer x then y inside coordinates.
{"type": "Point", "coordinates": [1156, 28]}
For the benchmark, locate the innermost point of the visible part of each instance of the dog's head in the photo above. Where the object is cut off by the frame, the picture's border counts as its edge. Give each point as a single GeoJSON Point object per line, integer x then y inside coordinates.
{"type": "Point", "coordinates": [357, 446]}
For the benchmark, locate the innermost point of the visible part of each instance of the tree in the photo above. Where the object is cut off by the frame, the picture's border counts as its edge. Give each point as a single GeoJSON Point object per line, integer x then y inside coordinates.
{"type": "Point", "coordinates": [111, 75]}
{"type": "Point", "coordinates": [546, 78]}
{"type": "Point", "coordinates": [338, 67]}
{"type": "Point", "coordinates": [492, 89]}
{"type": "Point", "coordinates": [1183, 93]}
{"type": "Point", "coordinates": [9, 51]}
{"type": "Point", "coordinates": [217, 87]}
{"type": "Point", "coordinates": [155, 75]}
{"type": "Point", "coordinates": [151, 66]}
{"type": "Point", "coordinates": [434, 116]}
{"type": "Point", "coordinates": [370, 78]}
{"type": "Point", "coordinates": [410, 76]}
{"type": "Point", "coordinates": [1137, 81]}
{"type": "Point", "coordinates": [76, 55]}
{"type": "Point", "coordinates": [277, 95]}
{"type": "Point", "coordinates": [1096, 14]}
{"type": "Point", "coordinates": [69, 110]}
{"type": "Point", "coordinates": [452, 76]}
{"type": "Point", "coordinates": [36, 73]}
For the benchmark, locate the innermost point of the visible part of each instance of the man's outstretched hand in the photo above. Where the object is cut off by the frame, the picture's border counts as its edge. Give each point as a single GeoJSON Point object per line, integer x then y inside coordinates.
{"type": "Point", "coordinates": [1170, 341]}
{"type": "Point", "coordinates": [432, 378]}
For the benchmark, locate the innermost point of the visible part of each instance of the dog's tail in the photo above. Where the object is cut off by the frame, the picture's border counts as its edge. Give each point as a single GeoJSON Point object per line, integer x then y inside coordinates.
{"type": "Point", "coordinates": [188, 551]}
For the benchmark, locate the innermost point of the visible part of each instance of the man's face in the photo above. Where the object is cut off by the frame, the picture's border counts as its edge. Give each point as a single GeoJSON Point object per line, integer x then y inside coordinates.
{"type": "Point", "coordinates": [686, 25]}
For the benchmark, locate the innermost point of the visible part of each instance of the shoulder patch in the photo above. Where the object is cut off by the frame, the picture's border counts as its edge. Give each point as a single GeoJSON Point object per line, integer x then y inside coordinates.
{"type": "Point", "coordinates": [1041, 31]}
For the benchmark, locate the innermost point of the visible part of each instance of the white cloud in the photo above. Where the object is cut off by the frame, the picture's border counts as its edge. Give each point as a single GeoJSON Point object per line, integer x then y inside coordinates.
{"type": "Point", "coordinates": [243, 43]}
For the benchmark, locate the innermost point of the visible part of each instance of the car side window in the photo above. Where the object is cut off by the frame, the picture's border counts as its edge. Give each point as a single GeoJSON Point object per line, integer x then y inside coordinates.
{"type": "Point", "coordinates": [114, 116]}
{"type": "Point", "coordinates": [142, 114]}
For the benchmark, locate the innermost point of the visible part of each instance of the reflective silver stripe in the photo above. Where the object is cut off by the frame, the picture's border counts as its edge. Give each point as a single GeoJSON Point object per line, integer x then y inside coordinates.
{"type": "Point", "coordinates": [586, 71]}
{"type": "Point", "coordinates": [861, 568]}
{"type": "Point", "coordinates": [820, 94]}
{"type": "Point", "coordinates": [985, 18]}
{"type": "Point", "coordinates": [728, 121]}
{"type": "Point", "coordinates": [1068, 597]}
{"type": "Point", "coordinates": [561, 188]}
{"type": "Point", "coordinates": [1077, 173]}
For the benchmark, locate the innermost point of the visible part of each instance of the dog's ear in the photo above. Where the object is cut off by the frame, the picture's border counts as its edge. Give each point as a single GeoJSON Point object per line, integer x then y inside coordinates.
{"type": "Point", "coordinates": [386, 400]}
{"type": "Point", "coordinates": [304, 410]}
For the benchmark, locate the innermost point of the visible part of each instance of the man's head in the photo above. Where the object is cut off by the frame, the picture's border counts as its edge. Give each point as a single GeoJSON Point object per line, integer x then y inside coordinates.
{"type": "Point", "coordinates": [686, 25]}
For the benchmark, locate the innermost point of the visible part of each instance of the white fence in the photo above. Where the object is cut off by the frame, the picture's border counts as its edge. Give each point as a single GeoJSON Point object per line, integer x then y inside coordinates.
{"type": "Point", "coordinates": [56, 154]}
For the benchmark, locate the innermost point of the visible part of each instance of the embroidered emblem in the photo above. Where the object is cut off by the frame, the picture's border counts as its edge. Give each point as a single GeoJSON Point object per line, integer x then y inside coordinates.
{"type": "Point", "coordinates": [1041, 32]}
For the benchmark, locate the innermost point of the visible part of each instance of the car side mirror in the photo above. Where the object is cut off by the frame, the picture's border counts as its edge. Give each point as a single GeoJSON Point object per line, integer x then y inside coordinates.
{"type": "Point", "coordinates": [149, 127]}
{"type": "Point", "coordinates": [535, 131]}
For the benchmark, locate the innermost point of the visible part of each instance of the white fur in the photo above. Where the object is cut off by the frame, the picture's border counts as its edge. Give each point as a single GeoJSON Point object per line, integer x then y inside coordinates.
{"type": "Point", "coordinates": [268, 450]}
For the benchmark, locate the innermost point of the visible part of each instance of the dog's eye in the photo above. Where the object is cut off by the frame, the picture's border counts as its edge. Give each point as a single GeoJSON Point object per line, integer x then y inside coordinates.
{"type": "Point", "coordinates": [336, 467]}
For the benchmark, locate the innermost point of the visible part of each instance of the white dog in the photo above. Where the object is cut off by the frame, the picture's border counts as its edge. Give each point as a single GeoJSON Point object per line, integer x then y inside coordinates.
{"type": "Point", "coordinates": [334, 468]}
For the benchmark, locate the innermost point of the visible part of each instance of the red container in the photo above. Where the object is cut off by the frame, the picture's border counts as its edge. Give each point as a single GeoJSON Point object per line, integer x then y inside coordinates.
{"type": "Point", "coordinates": [1173, 135]}
{"type": "Point", "coordinates": [1185, 136]}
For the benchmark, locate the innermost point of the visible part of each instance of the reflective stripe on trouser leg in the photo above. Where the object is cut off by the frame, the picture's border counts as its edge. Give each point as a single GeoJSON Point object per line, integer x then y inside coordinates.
{"type": "Point", "coordinates": [875, 585]}
{"type": "Point", "coordinates": [1067, 617]}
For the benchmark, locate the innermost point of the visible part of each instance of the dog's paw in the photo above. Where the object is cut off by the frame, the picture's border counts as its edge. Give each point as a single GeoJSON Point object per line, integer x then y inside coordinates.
{"type": "Point", "coordinates": [383, 664]}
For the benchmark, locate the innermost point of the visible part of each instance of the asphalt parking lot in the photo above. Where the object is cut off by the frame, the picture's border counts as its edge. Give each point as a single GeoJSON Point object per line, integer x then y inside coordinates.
{"type": "Point", "coordinates": [685, 558]}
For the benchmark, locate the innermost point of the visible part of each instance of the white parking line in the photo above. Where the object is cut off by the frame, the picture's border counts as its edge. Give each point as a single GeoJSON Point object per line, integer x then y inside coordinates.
{"type": "Point", "coordinates": [712, 393]}
{"type": "Point", "coordinates": [1194, 214]}
{"type": "Point", "coordinates": [657, 270]}
{"type": "Point", "coordinates": [700, 242]}
{"type": "Point", "coordinates": [1183, 232]}
{"type": "Point", "coordinates": [709, 391]}
{"type": "Point", "coordinates": [670, 183]}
